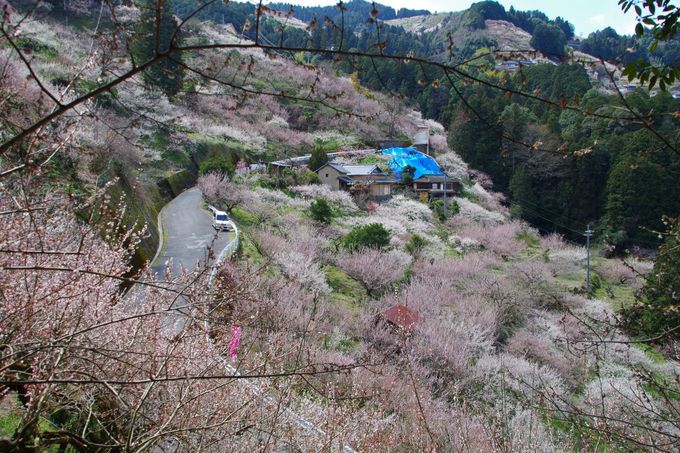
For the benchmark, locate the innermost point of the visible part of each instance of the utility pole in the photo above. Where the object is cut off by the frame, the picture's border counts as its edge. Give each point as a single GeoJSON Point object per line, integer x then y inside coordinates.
{"type": "Point", "coordinates": [446, 200]}
{"type": "Point", "coordinates": [588, 235]}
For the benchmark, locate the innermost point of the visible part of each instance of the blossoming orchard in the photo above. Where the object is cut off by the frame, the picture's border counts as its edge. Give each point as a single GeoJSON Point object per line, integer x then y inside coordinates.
{"type": "Point", "coordinates": [421, 316]}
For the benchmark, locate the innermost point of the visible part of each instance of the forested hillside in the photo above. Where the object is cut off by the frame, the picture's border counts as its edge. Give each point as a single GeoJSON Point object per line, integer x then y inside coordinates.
{"type": "Point", "coordinates": [605, 181]}
{"type": "Point", "coordinates": [619, 176]}
{"type": "Point", "coordinates": [262, 112]}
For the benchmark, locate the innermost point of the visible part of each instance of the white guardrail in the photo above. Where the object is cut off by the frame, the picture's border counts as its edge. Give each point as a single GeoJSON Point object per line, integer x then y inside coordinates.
{"type": "Point", "coordinates": [228, 249]}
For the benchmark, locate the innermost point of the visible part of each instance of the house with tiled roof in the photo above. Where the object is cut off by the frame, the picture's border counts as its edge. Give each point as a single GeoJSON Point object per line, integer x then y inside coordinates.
{"type": "Point", "coordinates": [369, 179]}
{"type": "Point", "coordinates": [437, 185]}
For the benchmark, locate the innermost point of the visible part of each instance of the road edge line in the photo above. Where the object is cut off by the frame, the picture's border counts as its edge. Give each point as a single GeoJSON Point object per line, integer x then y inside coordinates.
{"type": "Point", "coordinates": [159, 228]}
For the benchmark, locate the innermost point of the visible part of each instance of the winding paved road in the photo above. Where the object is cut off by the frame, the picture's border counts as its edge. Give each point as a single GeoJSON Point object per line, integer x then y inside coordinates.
{"type": "Point", "coordinates": [188, 234]}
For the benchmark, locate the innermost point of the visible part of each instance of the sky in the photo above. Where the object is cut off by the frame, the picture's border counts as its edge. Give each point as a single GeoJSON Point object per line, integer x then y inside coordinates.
{"type": "Point", "coordinates": [586, 15]}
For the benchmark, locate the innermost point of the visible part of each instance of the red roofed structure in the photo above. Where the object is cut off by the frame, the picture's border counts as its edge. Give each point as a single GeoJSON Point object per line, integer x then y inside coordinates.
{"type": "Point", "coordinates": [402, 317]}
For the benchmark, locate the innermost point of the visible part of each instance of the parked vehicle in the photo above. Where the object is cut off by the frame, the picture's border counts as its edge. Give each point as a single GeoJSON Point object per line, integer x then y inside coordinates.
{"type": "Point", "coordinates": [221, 221]}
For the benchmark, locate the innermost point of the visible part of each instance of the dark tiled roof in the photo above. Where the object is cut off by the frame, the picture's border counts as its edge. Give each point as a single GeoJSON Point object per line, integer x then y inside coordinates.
{"type": "Point", "coordinates": [435, 178]}
{"type": "Point", "coordinates": [337, 167]}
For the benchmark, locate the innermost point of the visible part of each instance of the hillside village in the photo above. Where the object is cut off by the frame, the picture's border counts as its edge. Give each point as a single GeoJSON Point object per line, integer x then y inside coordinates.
{"type": "Point", "coordinates": [375, 172]}
{"type": "Point", "coordinates": [399, 262]}
{"type": "Point", "coordinates": [370, 305]}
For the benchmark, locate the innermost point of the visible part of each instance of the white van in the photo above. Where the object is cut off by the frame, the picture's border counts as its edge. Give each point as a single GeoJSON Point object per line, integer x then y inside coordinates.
{"type": "Point", "coordinates": [221, 221]}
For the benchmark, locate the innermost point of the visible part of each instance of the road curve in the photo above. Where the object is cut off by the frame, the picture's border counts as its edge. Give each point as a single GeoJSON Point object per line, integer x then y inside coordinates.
{"type": "Point", "coordinates": [188, 234]}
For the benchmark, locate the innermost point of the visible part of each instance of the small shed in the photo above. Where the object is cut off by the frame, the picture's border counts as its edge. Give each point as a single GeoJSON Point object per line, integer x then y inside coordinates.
{"type": "Point", "coordinates": [421, 140]}
{"type": "Point", "coordinates": [402, 317]}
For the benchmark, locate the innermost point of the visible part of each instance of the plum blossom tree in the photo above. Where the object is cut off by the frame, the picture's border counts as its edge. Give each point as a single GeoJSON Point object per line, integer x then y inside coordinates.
{"type": "Point", "coordinates": [73, 341]}
{"type": "Point", "coordinates": [502, 238]}
{"type": "Point", "coordinates": [138, 369]}
{"type": "Point", "coordinates": [219, 190]}
{"type": "Point", "coordinates": [376, 269]}
{"type": "Point", "coordinates": [143, 371]}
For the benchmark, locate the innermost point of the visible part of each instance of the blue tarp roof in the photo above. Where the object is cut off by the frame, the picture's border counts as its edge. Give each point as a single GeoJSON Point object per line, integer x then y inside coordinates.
{"type": "Point", "coordinates": [401, 157]}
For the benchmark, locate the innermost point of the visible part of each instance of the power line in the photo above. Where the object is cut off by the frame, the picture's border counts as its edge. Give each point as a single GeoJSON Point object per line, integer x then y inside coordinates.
{"type": "Point", "coordinates": [550, 211]}
{"type": "Point", "coordinates": [580, 233]}
{"type": "Point", "coordinates": [552, 221]}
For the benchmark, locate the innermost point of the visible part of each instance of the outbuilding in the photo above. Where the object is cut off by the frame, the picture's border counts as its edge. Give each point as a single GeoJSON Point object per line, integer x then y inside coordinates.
{"type": "Point", "coordinates": [402, 318]}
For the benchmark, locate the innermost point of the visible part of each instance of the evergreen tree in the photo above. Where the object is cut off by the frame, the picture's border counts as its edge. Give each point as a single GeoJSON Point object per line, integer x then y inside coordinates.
{"type": "Point", "coordinates": [407, 174]}
{"type": "Point", "coordinates": [608, 45]}
{"type": "Point", "coordinates": [217, 163]}
{"type": "Point", "coordinates": [566, 27]}
{"type": "Point", "coordinates": [524, 200]}
{"type": "Point", "coordinates": [549, 39]}
{"type": "Point", "coordinates": [165, 74]}
{"type": "Point", "coordinates": [373, 235]}
{"type": "Point", "coordinates": [659, 311]}
{"type": "Point", "coordinates": [569, 81]}
{"type": "Point", "coordinates": [640, 189]}
{"type": "Point", "coordinates": [476, 142]}
{"type": "Point", "coordinates": [318, 159]}
{"type": "Point", "coordinates": [321, 211]}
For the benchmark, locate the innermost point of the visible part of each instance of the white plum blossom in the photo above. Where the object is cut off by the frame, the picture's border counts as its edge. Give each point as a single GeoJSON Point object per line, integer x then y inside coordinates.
{"type": "Point", "coordinates": [476, 213]}
{"type": "Point", "coordinates": [338, 197]}
{"type": "Point", "coordinates": [376, 269]}
{"type": "Point", "coordinates": [453, 165]}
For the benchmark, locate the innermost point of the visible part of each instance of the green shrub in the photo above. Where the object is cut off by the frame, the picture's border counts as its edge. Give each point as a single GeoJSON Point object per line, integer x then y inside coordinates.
{"type": "Point", "coordinates": [443, 212]}
{"type": "Point", "coordinates": [321, 211]}
{"type": "Point", "coordinates": [309, 177]}
{"type": "Point", "coordinates": [29, 45]}
{"type": "Point", "coordinates": [658, 311]}
{"type": "Point", "coordinates": [318, 159]}
{"type": "Point", "coordinates": [217, 164]}
{"type": "Point", "coordinates": [372, 235]}
{"type": "Point", "coordinates": [416, 244]}
{"type": "Point", "coordinates": [407, 174]}
{"type": "Point", "coordinates": [437, 207]}
{"type": "Point", "coordinates": [370, 160]}
{"type": "Point", "coordinates": [454, 208]}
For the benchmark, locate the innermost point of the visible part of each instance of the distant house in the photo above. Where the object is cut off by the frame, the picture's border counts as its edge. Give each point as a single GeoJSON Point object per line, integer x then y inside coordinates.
{"type": "Point", "coordinates": [357, 178]}
{"type": "Point", "coordinates": [628, 88]}
{"type": "Point", "coordinates": [401, 317]}
{"type": "Point", "coordinates": [511, 66]}
{"type": "Point", "coordinates": [436, 185]}
{"type": "Point", "coordinates": [299, 162]}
